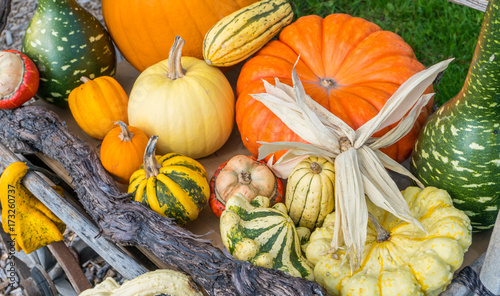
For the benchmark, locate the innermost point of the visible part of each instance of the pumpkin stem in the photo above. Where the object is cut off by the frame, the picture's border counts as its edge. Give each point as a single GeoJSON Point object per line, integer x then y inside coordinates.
{"type": "Point", "coordinates": [125, 135]}
{"type": "Point", "coordinates": [84, 79]}
{"type": "Point", "coordinates": [245, 178]}
{"type": "Point", "coordinates": [151, 165]}
{"type": "Point", "coordinates": [315, 168]}
{"type": "Point", "coordinates": [328, 83]}
{"type": "Point", "coordinates": [382, 234]}
{"type": "Point", "coordinates": [174, 59]}
{"type": "Point", "coordinates": [345, 144]}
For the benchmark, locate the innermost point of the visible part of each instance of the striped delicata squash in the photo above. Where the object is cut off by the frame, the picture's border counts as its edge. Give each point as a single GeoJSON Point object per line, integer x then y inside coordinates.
{"type": "Point", "coordinates": [242, 33]}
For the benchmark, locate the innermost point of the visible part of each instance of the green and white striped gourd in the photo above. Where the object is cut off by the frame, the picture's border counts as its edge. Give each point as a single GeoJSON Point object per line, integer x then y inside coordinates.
{"type": "Point", "coordinates": [66, 42]}
{"type": "Point", "coordinates": [310, 192]}
{"type": "Point", "coordinates": [267, 237]}
{"type": "Point", "coordinates": [459, 149]}
{"type": "Point", "coordinates": [240, 34]}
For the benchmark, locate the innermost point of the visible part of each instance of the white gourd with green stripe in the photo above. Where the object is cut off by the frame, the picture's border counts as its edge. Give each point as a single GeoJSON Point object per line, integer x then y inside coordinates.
{"type": "Point", "coordinates": [266, 237]}
{"type": "Point", "coordinates": [240, 34]}
{"type": "Point", "coordinates": [458, 149]}
{"type": "Point", "coordinates": [67, 42]}
{"type": "Point", "coordinates": [310, 192]}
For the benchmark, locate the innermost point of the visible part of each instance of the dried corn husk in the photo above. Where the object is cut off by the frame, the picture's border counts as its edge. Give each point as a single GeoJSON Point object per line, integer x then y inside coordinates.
{"type": "Point", "coordinates": [359, 165]}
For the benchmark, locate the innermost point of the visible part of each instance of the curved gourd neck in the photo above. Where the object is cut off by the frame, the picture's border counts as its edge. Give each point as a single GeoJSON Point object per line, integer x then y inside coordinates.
{"type": "Point", "coordinates": [483, 79]}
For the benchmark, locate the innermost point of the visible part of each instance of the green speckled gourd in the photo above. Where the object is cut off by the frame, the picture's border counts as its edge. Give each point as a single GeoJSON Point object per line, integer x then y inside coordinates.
{"type": "Point", "coordinates": [459, 150]}
{"type": "Point", "coordinates": [267, 237]}
{"type": "Point", "coordinates": [66, 42]}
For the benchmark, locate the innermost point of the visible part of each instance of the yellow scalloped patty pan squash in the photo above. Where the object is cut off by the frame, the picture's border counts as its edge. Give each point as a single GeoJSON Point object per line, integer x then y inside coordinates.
{"type": "Point", "coordinates": [158, 282]}
{"type": "Point", "coordinates": [408, 261]}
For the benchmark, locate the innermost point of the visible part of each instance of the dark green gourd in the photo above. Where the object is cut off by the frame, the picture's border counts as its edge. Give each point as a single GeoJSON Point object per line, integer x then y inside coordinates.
{"type": "Point", "coordinates": [459, 150]}
{"type": "Point", "coordinates": [66, 42]}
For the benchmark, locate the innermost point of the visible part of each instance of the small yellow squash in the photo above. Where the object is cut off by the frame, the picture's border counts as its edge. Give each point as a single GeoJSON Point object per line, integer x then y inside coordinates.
{"type": "Point", "coordinates": [30, 223]}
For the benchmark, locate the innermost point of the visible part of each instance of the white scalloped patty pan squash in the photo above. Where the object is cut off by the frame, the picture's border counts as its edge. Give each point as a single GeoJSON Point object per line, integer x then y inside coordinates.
{"type": "Point", "coordinates": [410, 262]}
{"type": "Point", "coordinates": [264, 236]}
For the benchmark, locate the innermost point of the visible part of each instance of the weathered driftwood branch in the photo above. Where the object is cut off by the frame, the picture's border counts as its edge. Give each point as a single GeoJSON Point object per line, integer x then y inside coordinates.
{"type": "Point", "coordinates": [35, 129]}
{"type": "Point", "coordinates": [4, 13]}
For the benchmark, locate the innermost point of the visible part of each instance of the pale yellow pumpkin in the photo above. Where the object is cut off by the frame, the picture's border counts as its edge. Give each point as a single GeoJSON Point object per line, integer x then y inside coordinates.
{"type": "Point", "coordinates": [187, 103]}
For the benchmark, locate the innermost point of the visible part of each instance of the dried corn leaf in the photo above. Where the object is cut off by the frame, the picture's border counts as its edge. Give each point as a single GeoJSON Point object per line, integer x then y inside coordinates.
{"type": "Point", "coordinates": [358, 168]}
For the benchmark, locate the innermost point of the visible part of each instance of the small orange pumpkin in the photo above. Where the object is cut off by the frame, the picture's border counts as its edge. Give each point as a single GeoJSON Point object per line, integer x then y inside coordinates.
{"type": "Point", "coordinates": [122, 151]}
{"type": "Point", "coordinates": [97, 104]}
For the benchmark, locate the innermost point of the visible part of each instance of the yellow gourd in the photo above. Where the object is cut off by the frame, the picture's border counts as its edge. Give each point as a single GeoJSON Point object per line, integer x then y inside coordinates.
{"type": "Point", "coordinates": [310, 192]}
{"type": "Point", "coordinates": [158, 282]}
{"type": "Point", "coordinates": [29, 222]}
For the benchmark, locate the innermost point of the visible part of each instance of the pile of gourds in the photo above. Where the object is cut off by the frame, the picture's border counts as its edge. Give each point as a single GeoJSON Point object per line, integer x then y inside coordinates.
{"type": "Point", "coordinates": [183, 107]}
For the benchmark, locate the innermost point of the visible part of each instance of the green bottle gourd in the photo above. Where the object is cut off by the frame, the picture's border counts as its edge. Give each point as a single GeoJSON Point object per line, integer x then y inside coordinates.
{"type": "Point", "coordinates": [458, 149]}
{"type": "Point", "coordinates": [67, 42]}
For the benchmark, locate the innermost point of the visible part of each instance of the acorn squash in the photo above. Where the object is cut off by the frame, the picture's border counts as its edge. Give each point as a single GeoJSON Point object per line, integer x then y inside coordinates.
{"type": "Point", "coordinates": [172, 185]}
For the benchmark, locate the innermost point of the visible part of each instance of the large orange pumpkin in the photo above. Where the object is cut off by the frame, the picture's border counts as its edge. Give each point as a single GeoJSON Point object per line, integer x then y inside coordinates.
{"type": "Point", "coordinates": [143, 30]}
{"type": "Point", "coordinates": [347, 64]}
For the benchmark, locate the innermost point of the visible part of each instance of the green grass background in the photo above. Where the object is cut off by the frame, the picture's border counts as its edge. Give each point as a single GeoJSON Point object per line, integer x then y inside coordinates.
{"type": "Point", "coordinates": [435, 29]}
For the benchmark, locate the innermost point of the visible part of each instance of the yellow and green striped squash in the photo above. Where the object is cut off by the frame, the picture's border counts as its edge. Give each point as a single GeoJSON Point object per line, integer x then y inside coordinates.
{"type": "Point", "coordinates": [310, 192]}
{"type": "Point", "coordinates": [172, 185]}
{"type": "Point", "coordinates": [264, 236]}
{"type": "Point", "coordinates": [242, 33]}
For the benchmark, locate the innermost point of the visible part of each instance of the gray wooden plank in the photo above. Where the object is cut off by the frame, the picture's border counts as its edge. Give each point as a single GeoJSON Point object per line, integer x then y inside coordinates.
{"type": "Point", "coordinates": [83, 227]}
